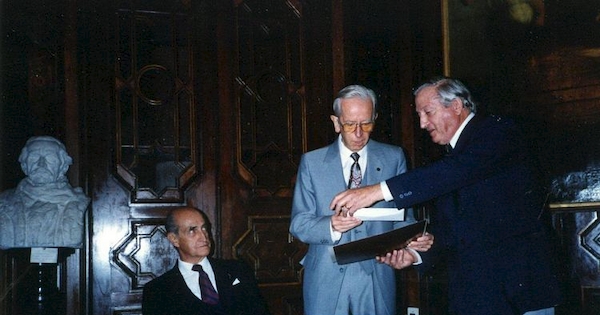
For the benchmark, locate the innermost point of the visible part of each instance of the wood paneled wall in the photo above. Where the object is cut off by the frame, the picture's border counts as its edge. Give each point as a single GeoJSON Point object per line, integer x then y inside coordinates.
{"type": "Point", "coordinates": [252, 84]}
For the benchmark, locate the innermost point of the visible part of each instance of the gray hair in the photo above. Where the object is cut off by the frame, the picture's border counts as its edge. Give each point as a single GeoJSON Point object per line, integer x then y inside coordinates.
{"type": "Point", "coordinates": [450, 89]}
{"type": "Point", "coordinates": [352, 91]}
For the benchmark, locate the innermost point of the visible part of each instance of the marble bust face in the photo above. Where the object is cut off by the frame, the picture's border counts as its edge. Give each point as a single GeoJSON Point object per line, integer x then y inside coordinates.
{"type": "Point", "coordinates": [44, 161]}
{"type": "Point", "coordinates": [43, 210]}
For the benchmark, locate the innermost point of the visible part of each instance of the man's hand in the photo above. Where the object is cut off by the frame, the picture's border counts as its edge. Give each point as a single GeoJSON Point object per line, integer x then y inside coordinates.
{"type": "Point", "coordinates": [422, 243]}
{"type": "Point", "coordinates": [341, 223]}
{"type": "Point", "coordinates": [398, 259]}
{"type": "Point", "coordinates": [348, 201]}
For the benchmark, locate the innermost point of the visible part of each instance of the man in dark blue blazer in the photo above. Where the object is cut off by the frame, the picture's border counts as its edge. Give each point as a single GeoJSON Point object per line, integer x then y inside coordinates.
{"type": "Point", "coordinates": [487, 208]}
{"type": "Point", "coordinates": [178, 292]}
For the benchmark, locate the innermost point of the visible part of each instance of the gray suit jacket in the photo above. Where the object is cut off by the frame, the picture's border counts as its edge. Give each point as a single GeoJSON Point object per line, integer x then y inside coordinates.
{"type": "Point", "coordinates": [320, 177]}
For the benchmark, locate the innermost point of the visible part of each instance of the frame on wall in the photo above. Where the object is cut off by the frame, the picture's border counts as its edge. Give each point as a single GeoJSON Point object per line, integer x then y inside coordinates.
{"type": "Point", "coordinates": [464, 39]}
{"type": "Point", "coordinates": [539, 62]}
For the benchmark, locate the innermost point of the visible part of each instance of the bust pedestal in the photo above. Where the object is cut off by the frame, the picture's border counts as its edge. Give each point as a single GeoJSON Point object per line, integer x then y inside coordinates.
{"type": "Point", "coordinates": [35, 288]}
{"type": "Point", "coordinates": [49, 299]}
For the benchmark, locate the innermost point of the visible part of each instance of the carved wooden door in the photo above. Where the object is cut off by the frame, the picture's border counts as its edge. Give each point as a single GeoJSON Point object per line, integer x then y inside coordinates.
{"type": "Point", "coordinates": [269, 107]}
{"type": "Point", "coordinates": [196, 103]}
{"type": "Point", "coordinates": [146, 148]}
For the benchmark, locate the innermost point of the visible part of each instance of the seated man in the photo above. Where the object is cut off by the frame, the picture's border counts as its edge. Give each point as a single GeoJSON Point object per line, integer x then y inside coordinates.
{"type": "Point", "coordinates": [189, 288]}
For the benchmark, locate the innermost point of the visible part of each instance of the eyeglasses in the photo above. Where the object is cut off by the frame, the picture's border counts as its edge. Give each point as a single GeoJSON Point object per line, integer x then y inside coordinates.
{"type": "Point", "coordinates": [351, 127]}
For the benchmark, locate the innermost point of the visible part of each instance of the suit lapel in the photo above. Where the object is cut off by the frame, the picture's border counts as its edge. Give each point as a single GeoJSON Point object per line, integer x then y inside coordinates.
{"type": "Point", "coordinates": [179, 283]}
{"type": "Point", "coordinates": [332, 168]}
{"type": "Point", "coordinates": [333, 165]}
{"type": "Point", "coordinates": [187, 298]}
{"type": "Point", "coordinates": [221, 275]}
{"type": "Point", "coordinates": [224, 281]}
{"type": "Point", "coordinates": [375, 165]}
{"type": "Point", "coordinates": [467, 132]}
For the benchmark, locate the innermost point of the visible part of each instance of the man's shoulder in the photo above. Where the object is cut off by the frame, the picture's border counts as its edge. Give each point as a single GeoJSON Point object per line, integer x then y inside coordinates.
{"type": "Point", "coordinates": [383, 146]}
{"type": "Point", "coordinates": [492, 126]}
{"type": "Point", "coordinates": [168, 276]}
{"type": "Point", "coordinates": [387, 153]}
{"type": "Point", "coordinates": [229, 264]}
{"type": "Point", "coordinates": [321, 150]}
{"type": "Point", "coordinates": [321, 153]}
{"type": "Point", "coordinates": [485, 121]}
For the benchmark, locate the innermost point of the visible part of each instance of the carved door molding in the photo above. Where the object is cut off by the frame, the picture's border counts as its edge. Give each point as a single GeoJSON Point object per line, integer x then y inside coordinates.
{"type": "Point", "coordinates": [168, 116]}
{"type": "Point", "coordinates": [144, 64]}
{"type": "Point", "coordinates": [156, 147]}
{"type": "Point", "coordinates": [270, 111]}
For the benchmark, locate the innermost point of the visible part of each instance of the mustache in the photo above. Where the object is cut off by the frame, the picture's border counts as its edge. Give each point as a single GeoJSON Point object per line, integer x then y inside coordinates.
{"type": "Point", "coordinates": [39, 170]}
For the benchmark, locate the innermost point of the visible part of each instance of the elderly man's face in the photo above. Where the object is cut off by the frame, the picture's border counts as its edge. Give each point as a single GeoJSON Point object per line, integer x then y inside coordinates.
{"type": "Point", "coordinates": [193, 238]}
{"type": "Point", "coordinates": [356, 112]}
{"type": "Point", "coordinates": [43, 162]}
{"type": "Point", "coordinates": [441, 122]}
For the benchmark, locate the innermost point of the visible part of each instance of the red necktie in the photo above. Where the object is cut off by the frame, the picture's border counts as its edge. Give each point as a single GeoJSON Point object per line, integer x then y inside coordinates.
{"type": "Point", "coordinates": [209, 294]}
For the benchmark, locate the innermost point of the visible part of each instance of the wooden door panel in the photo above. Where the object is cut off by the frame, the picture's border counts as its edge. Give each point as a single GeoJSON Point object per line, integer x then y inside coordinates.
{"type": "Point", "coordinates": [156, 148]}
{"type": "Point", "coordinates": [155, 157]}
{"type": "Point", "coordinates": [155, 118]}
{"type": "Point", "coordinates": [270, 132]}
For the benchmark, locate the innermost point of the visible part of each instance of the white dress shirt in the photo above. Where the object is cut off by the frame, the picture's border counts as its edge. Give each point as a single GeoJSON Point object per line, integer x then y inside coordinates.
{"type": "Point", "coordinates": [191, 277]}
{"type": "Point", "coordinates": [347, 161]}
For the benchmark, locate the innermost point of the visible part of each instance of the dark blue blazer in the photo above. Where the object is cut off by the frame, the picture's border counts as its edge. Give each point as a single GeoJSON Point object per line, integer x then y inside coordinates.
{"type": "Point", "coordinates": [168, 294]}
{"type": "Point", "coordinates": [486, 221]}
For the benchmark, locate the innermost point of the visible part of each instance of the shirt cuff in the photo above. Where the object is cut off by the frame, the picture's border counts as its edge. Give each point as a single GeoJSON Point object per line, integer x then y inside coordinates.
{"type": "Point", "coordinates": [335, 235]}
{"type": "Point", "coordinates": [419, 260]}
{"type": "Point", "coordinates": [387, 194]}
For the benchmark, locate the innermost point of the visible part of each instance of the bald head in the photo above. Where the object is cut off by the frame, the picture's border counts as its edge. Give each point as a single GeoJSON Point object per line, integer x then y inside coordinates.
{"type": "Point", "coordinates": [188, 230]}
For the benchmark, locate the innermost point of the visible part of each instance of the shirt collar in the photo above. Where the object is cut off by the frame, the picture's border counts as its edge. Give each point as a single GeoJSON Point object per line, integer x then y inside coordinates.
{"type": "Point", "coordinates": [454, 139]}
{"type": "Point", "coordinates": [186, 267]}
{"type": "Point", "coordinates": [345, 152]}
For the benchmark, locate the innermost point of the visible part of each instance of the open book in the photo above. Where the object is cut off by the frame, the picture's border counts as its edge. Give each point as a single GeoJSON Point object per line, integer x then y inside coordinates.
{"type": "Point", "coordinates": [378, 245]}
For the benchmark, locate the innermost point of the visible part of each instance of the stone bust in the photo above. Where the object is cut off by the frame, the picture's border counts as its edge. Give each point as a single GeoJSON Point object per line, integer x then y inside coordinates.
{"type": "Point", "coordinates": [43, 210]}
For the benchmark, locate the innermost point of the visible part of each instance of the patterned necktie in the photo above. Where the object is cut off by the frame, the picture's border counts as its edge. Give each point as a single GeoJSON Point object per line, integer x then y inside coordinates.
{"type": "Point", "coordinates": [209, 295]}
{"type": "Point", "coordinates": [355, 175]}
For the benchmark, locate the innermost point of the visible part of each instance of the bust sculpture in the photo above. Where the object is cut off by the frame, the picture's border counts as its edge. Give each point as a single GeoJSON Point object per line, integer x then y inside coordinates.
{"type": "Point", "coordinates": [43, 210]}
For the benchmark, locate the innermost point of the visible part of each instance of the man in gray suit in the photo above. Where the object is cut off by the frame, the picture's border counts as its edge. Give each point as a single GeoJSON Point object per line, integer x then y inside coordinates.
{"type": "Point", "coordinates": [360, 288]}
